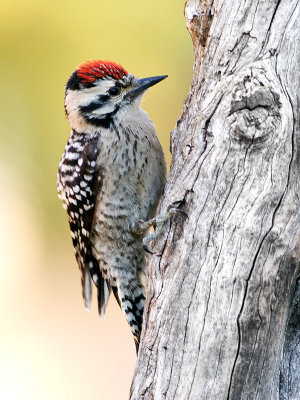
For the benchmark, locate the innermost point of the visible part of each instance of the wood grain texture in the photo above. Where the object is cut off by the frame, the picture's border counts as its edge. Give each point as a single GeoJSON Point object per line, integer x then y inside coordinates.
{"type": "Point", "coordinates": [222, 313]}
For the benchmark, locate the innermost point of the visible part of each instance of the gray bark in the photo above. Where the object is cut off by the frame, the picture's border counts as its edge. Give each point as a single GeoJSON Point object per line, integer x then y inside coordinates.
{"type": "Point", "coordinates": [222, 317]}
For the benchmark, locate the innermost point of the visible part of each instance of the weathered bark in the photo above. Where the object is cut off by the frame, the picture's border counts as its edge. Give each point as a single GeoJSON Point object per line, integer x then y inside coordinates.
{"type": "Point", "coordinates": [222, 315]}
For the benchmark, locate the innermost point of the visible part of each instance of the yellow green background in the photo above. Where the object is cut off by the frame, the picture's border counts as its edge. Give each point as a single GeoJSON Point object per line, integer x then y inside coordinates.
{"type": "Point", "coordinates": [50, 347]}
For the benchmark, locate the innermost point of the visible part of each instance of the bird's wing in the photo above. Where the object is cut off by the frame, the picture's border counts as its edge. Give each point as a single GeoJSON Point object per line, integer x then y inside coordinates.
{"type": "Point", "coordinates": [81, 180]}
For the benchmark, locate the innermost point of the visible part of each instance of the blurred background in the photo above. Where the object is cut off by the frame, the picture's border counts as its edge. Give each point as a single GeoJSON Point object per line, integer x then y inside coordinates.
{"type": "Point", "coordinates": [50, 346]}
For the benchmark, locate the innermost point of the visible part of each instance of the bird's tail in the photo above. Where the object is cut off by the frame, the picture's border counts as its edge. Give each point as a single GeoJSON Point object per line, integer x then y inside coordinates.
{"type": "Point", "coordinates": [132, 299]}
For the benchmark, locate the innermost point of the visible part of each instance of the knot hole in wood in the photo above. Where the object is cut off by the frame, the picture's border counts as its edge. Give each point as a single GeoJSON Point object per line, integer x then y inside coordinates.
{"type": "Point", "coordinates": [255, 114]}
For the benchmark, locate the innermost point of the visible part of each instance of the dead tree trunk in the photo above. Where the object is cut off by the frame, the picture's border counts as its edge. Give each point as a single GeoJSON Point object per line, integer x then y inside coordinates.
{"type": "Point", "coordinates": [222, 315]}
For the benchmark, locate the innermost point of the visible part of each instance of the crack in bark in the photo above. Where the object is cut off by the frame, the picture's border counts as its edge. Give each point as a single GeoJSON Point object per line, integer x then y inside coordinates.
{"type": "Point", "coordinates": [246, 287]}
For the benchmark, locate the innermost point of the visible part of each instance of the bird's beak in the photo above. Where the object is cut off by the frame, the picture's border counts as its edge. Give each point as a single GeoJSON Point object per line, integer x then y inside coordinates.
{"type": "Point", "coordinates": [140, 85]}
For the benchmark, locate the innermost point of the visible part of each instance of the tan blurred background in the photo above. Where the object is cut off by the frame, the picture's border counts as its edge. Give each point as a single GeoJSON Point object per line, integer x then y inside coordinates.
{"type": "Point", "coordinates": [50, 347]}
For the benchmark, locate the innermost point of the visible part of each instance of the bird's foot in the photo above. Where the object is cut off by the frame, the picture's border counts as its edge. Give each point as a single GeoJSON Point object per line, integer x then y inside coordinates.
{"type": "Point", "coordinates": [158, 223]}
{"type": "Point", "coordinates": [139, 227]}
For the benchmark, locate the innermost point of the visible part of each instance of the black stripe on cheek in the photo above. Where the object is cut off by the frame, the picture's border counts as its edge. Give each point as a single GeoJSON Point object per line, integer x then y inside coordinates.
{"type": "Point", "coordinates": [105, 121]}
{"type": "Point", "coordinates": [94, 105]}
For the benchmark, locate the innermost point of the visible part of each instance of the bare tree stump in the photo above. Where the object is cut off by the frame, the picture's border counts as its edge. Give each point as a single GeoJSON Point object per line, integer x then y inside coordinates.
{"type": "Point", "coordinates": [222, 318]}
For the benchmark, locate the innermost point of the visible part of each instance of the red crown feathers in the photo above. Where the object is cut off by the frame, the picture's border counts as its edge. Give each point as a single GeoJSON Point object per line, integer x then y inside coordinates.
{"type": "Point", "coordinates": [90, 71]}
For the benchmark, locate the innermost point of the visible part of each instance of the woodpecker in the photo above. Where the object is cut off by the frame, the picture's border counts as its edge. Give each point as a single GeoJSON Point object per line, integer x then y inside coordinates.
{"type": "Point", "coordinates": [110, 179]}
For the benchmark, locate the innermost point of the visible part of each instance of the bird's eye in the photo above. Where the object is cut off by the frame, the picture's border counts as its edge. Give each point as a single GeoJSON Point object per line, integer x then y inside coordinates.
{"type": "Point", "coordinates": [114, 91]}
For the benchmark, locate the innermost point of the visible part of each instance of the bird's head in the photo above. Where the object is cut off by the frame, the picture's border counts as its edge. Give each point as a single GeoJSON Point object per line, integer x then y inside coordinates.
{"type": "Point", "coordinates": [98, 90]}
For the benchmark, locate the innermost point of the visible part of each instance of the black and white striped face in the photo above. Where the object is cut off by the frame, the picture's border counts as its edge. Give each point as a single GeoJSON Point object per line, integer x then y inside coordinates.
{"type": "Point", "coordinates": [88, 108]}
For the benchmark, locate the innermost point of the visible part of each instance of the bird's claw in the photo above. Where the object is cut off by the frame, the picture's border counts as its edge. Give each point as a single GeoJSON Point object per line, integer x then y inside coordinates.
{"type": "Point", "coordinates": [147, 250]}
{"type": "Point", "coordinates": [173, 208]}
{"type": "Point", "coordinates": [177, 203]}
{"type": "Point", "coordinates": [159, 223]}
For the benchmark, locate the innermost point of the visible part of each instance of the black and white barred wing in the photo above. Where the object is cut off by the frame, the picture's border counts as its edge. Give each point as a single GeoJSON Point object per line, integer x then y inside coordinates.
{"type": "Point", "coordinates": [79, 185]}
